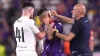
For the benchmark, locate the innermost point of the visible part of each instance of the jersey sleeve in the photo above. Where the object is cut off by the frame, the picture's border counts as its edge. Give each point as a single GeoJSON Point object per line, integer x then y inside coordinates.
{"type": "Point", "coordinates": [34, 27]}
{"type": "Point", "coordinates": [75, 28]}
{"type": "Point", "coordinates": [59, 27]}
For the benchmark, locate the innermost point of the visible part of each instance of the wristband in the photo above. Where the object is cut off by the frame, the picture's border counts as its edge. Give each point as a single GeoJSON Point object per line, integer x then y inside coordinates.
{"type": "Point", "coordinates": [54, 33]}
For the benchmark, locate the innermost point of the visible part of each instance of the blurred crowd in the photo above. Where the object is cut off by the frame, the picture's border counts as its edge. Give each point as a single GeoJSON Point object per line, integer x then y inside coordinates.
{"type": "Point", "coordinates": [10, 10]}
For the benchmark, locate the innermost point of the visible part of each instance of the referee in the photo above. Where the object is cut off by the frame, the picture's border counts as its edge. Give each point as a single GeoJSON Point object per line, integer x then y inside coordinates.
{"type": "Point", "coordinates": [80, 33]}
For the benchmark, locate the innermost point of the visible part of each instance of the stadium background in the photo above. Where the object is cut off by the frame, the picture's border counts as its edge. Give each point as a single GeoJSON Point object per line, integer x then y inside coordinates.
{"type": "Point", "coordinates": [10, 10]}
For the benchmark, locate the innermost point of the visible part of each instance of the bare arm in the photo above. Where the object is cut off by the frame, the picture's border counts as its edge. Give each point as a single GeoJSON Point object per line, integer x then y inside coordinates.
{"type": "Point", "coordinates": [68, 37]}
{"type": "Point", "coordinates": [40, 35]}
{"type": "Point", "coordinates": [63, 18]}
{"type": "Point", "coordinates": [48, 28]}
{"type": "Point", "coordinates": [91, 45]}
{"type": "Point", "coordinates": [91, 41]}
{"type": "Point", "coordinates": [49, 32]}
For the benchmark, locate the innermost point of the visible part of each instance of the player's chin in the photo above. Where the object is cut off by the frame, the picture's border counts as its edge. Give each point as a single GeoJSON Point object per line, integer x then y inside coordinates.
{"type": "Point", "coordinates": [73, 16]}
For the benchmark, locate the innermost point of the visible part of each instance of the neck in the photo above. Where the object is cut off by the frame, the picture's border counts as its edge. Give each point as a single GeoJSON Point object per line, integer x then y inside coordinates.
{"type": "Point", "coordinates": [26, 14]}
{"type": "Point", "coordinates": [80, 16]}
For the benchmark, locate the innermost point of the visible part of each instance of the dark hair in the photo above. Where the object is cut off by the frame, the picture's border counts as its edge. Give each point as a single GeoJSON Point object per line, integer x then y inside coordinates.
{"type": "Point", "coordinates": [27, 4]}
{"type": "Point", "coordinates": [41, 11]}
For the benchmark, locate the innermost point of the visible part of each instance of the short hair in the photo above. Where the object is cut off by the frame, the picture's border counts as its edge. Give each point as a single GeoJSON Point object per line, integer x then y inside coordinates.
{"type": "Point", "coordinates": [41, 11]}
{"type": "Point", "coordinates": [27, 4]}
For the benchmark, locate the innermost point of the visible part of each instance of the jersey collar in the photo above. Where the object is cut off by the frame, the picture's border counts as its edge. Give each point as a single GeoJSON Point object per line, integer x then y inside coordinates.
{"type": "Point", "coordinates": [24, 17]}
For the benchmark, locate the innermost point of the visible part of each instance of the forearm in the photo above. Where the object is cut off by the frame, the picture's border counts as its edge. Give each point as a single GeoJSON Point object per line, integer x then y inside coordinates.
{"type": "Point", "coordinates": [43, 33]}
{"type": "Point", "coordinates": [49, 34]}
{"type": "Point", "coordinates": [62, 36]}
{"type": "Point", "coordinates": [91, 45]}
{"type": "Point", "coordinates": [67, 37]}
{"type": "Point", "coordinates": [49, 31]}
{"type": "Point", "coordinates": [40, 35]}
{"type": "Point", "coordinates": [65, 19]}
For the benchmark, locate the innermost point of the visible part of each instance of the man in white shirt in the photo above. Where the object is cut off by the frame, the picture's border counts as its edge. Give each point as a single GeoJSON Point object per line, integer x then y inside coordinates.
{"type": "Point", "coordinates": [26, 32]}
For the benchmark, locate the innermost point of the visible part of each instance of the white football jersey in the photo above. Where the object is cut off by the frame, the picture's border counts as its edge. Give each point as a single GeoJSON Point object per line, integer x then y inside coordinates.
{"type": "Point", "coordinates": [25, 29]}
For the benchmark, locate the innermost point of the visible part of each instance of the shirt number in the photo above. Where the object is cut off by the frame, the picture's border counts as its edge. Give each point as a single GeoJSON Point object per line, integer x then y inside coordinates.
{"type": "Point", "coordinates": [20, 34]}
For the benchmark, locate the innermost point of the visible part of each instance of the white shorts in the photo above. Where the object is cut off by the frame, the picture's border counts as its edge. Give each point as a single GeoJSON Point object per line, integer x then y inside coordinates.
{"type": "Point", "coordinates": [26, 53]}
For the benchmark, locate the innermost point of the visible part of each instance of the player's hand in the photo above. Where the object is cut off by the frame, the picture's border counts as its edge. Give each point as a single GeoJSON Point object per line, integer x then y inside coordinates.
{"type": "Point", "coordinates": [54, 29]}
{"type": "Point", "coordinates": [51, 25]}
{"type": "Point", "coordinates": [46, 20]}
{"type": "Point", "coordinates": [53, 12]}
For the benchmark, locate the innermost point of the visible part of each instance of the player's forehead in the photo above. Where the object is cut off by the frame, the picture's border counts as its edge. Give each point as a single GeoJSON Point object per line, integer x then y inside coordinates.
{"type": "Point", "coordinates": [75, 7]}
{"type": "Point", "coordinates": [79, 7]}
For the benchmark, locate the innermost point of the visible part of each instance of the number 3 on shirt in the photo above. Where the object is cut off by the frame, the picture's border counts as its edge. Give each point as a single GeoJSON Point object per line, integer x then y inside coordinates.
{"type": "Point", "coordinates": [20, 34]}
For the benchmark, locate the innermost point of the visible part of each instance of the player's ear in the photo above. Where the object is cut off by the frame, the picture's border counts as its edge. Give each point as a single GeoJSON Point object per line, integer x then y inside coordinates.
{"type": "Point", "coordinates": [79, 12]}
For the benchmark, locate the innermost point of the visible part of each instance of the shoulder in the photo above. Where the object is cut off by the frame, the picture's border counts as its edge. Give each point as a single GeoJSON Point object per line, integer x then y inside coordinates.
{"type": "Point", "coordinates": [77, 22]}
{"type": "Point", "coordinates": [58, 23]}
{"type": "Point", "coordinates": [15, 22]}
{"type": "Point", "coordinates": [83, 19]}
{"type": "Point", "coordinates": [31, 21]}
